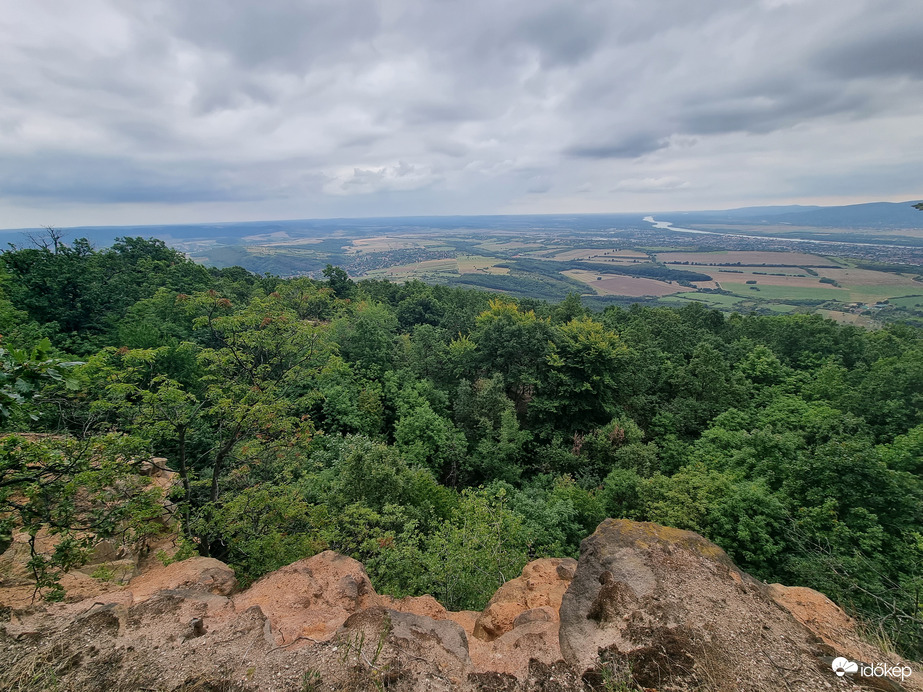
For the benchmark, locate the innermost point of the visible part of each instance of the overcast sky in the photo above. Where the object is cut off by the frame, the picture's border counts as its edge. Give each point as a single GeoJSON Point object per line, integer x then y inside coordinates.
{"type": "Point", "coordinates": [126, 112]}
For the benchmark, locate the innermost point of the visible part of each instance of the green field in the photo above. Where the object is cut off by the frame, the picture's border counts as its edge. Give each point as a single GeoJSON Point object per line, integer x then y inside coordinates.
{"type": "Point", "coordinates": [908, 301]}
{"type": "Point", "coordinates": [786, 292]}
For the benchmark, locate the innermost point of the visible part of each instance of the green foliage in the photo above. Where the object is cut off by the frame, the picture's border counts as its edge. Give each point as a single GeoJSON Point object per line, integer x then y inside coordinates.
{"type": "Point", "coordinates": [23, 373]}
{"type": "Point", "coordinates": [265, 527]}
{"type": "Point", "coordinates": [103, 573]}
{"type": "Point", "coordinates": [367, 338]}
{"type": "Point", "coordinates": [514, 344]}
{"type": "Point", "coordinates": [473, 554]}
{"type": "Point", "coordinates": [582, 381]}
{"type": "Point", "coordinates": [339, 281]}
{"type": "Point", "coordinates": [79, 491]}
{"type": "Point", "coordinates": [81, 294]}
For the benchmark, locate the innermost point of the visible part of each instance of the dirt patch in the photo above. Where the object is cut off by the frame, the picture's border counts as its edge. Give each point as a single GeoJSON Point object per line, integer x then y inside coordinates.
{"type": "Point", "coordinates": [618, 285]}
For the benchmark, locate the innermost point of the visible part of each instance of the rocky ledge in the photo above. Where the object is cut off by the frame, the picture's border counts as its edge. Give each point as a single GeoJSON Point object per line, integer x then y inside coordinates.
{"type": "Point", "coordinates": [644, 608]}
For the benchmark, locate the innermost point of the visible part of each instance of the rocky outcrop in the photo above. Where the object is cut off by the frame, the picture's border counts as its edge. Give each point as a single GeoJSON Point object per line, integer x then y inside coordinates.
{"type": "Point", "coordinates": [110, 561]}
{"type": "Point", "coordinates": [309, 600]}
{"type": "Point", "coordinates": [838, 633]}
{"type": "Point", "coordinates": [644, 608]}
{"type": "Point", "coordinates": [520, 623]}
{"type": "Point", "coordinates": [671, 608]}
{"type": "Point", "coordinates": [538, 591]}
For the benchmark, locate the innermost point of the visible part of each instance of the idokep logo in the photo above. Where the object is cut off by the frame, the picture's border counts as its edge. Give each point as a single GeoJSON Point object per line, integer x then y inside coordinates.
{"type": "Point", "coordinates": [843, 666]}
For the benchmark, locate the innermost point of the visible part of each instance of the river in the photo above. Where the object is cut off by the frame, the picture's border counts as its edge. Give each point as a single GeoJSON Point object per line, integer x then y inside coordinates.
{"type": "Point", "coordinates": [668, 226]}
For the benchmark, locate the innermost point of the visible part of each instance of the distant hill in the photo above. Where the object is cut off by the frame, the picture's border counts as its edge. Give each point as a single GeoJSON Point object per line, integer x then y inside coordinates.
{"type": "Point", "coordinates": [871, 216]}
{"type": "Point", "coordinates": [877, 215]}
{"type": "Point", "coordinates": [750, 212]}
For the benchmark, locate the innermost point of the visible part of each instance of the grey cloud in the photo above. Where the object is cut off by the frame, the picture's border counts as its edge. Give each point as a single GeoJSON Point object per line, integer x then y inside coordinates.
{"type": "Point", "coordinates": [767, 111]}
{"type": "Point", "coordinates": [400, 177]}
{"type": "Point", "coordinates": [61, 177]}
{"type": "Point", "coordinates": [185, 102]}
{"type": "Point", "coordinates": [564, 35]}
{"type": "Point", "coordinates": [630, 147]}
{"type": "Point", "coordinates": [640, 22]}
{"type": "Point", "coordinates": [538, 185]}
{"type": "Point", "coordinates": [447, 147]}
{"type": "Point", "coordinates": [650, 184]}
{"type": "Point", "coordinates": [289, 35]}
{"type": "Point", "coordinates": [891, 52]}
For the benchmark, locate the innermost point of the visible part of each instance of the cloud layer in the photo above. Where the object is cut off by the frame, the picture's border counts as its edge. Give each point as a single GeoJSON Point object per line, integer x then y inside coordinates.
{"type": "Point", "coordinates": [115, 112]}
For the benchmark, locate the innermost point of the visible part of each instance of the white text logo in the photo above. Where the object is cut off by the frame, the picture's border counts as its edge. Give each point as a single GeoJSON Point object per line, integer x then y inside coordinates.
{"type": "Point", "coordinates": [843, 666]}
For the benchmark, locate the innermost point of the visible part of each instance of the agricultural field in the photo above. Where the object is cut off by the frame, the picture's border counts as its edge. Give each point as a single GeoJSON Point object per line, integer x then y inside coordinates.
{"type": "Point", "coordinates": [819, 294]}
{"type": "Point", "coordinates": [511, 245]}
{"type": "Point", "coordinates": [471, 264]}
{"type": "Point", "coordinates": [912, 301]}
{"type": "Point", "coordinates": [615, 285]}
{"type": "Point", "coordinates": [857, 319]}
{"type": "Point", "coordinates": [859, 283]}
{"type": "Point", "coordinates": [747, 257]}
{"type": "Point", "coordinates": [741, 280]}
{"type": "Point", "coordinates": [387, 244]}
{"type": "Point", "coordinates": [418, 270]}
{"type": "Point", "coordinates": [603, 255]}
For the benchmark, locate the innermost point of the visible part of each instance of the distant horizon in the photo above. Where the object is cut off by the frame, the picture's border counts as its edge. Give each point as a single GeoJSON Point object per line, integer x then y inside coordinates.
{"type": "Point", "coordinates": [446, 216]}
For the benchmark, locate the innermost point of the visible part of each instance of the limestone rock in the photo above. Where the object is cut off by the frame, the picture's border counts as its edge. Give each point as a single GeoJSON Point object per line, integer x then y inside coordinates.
{"type": "Point", "coordinates": [837, 631]}
{"type": "Point", "coordinates": [514, 651]}
{"type": "Point", "coordinates": [14, 561]}
{"type": "Point", "coordinates": [645, 607]}
{"type": "Point", "coordinates": [466, 619]}
{"type": "Point", "coordinates": [418, 605]}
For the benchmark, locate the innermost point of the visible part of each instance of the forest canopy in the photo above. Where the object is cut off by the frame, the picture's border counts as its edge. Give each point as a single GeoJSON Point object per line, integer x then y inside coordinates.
{"type": "Point", "coordinates": [444, 437]}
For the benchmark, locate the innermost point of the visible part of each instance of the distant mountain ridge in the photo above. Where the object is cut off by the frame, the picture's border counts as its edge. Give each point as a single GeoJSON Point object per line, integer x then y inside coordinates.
{"type": "Point", "coordinates": [871, 215]}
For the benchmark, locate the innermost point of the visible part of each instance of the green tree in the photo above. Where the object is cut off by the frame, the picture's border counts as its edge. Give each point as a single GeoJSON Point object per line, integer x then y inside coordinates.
{"type": "Point", "coordinates": [367, 338]}
{"type": "Point", "coordinates": [582, 379]}
{"type": "Point", "coordinates": [514, 344]}
{"type": "Point", "coordinates": [476, 552]}
{"type": "Point", "coordinates": [78, 491]}
{"type": "Point", "coordinates": [339, 281]}
{"type": "Point", "coordinates": [24, 373]}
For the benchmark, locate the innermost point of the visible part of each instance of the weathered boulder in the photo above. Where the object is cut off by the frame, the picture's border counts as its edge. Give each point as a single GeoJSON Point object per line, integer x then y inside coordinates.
{"type": "Point", "coordinates": [197, 574]}
{"type": "Point", "coordinates": [391, 645]}
{"type": "Point", "coordinates": [668, 609]}
{"type": "Point", "coordinates": [838, 632]}
{"type": "Point", "coordinates": [418, 605]}
{"type": "Point", "coordinates": [645, 607]}
{"type": "Point", "coordinates": [309, 599]}
{"type": "Point", "coordinates": [513, 652]}
{"type": "Point", "coordinates": [520, 623]}
{"type": "Point", "coordinates": [541, 585]}
{"type": "Point", "coordinates": [14, 561]}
